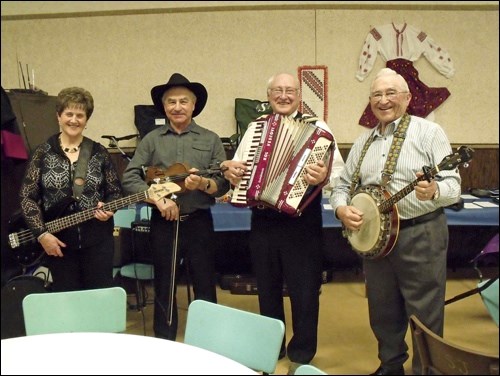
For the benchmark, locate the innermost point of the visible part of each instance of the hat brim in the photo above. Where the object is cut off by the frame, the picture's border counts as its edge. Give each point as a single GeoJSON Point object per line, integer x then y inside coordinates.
{"type": "Point", "coordinates": [198, 89]}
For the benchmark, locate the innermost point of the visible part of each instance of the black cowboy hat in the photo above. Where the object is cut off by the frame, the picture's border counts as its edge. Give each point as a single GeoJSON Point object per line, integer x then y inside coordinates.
{"type": "Point", "coordinates": [178, 79]}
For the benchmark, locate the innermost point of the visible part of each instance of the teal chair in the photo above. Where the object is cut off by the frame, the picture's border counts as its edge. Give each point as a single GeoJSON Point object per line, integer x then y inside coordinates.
{"type": "Point", "coordinates": [123, 219]}
{"type": "Point", "coordinates": [488, 289]}
{"type": "Point", "coordinates": [490, 297]}
{"type": "Point", "coordinates": [246, 337]}
{"type": "Point", "coordinates": [309, 369]}
{"type": "Point", "coordinates": [139, 271]}
{"type": "Point", "coordinates": [97, 310]}
{"type": "Point", "coordinates": [488, 254]}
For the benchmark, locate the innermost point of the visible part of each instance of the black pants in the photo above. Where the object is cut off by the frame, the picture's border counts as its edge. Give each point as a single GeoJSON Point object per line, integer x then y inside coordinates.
{"type": "Point", "coordinates": [85, 268]}
{"type": "Point", "coordinates": [195, 241]}
{"type": "Point", "coordinates": [289, 250]}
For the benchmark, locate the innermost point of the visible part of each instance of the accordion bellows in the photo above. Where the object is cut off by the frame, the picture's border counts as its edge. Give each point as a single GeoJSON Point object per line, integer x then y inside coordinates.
{"type": "Point", "coordinates": [280, 149]}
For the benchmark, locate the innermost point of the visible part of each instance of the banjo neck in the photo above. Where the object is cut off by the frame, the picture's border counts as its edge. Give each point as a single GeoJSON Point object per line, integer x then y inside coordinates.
{"type": "Point", "coordinates": [387, 205]}
{"type": "Point", "coordinates": [378, 235]}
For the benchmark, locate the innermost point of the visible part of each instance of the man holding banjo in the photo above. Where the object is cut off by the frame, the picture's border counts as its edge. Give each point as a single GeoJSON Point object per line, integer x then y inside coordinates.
{"type": "Point", "coordinates": [404, 247]}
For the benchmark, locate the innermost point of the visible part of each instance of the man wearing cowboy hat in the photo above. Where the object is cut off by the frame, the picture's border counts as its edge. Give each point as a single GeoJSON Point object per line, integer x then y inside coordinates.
{"type": "Point", "coordinates": [181, 140]}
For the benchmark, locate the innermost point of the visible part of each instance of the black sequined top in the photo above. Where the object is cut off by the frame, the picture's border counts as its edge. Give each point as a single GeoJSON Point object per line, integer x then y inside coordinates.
{"type": "Point", "coordinates": [47, 190]}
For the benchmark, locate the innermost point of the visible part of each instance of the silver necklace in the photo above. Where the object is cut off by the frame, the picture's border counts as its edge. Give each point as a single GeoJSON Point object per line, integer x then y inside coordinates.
{"type": "Point", "coordinates": [69, 150]}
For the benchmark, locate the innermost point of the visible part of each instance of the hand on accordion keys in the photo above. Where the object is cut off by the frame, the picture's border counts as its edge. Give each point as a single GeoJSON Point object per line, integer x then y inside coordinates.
{"type": "Point", "coordinates": [316, 173]}
{"type": "Point", "coordinates": [234, 171]}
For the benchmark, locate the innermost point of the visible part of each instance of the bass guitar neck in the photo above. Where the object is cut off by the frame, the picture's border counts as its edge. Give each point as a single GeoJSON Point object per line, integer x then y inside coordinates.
{"type": "Point", "coordinates": [27, 251]}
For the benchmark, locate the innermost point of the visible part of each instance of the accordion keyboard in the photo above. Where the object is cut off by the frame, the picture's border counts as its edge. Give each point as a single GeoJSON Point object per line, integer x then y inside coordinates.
{"type": "Point", "coordinates": [255, 130]}
{"type": "Point", "coordinates": [281, 148]}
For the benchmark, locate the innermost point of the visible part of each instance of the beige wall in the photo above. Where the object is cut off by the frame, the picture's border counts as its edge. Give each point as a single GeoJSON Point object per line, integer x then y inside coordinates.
{"type": "Point", "coordinates": [233, 50]}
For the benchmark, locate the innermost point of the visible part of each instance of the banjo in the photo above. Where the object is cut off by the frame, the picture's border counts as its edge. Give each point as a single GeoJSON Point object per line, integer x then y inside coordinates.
{"type": "Point", "coordinates": [378, 234]}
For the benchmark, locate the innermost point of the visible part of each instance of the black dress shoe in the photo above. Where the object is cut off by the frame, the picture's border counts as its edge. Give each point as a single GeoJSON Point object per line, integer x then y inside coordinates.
{"type": "Point", "coordinates": [389, 371]}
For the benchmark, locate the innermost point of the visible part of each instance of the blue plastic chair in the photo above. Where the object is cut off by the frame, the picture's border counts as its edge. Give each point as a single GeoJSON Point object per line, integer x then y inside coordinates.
{"type": "Point", "coordinates": [145, 213]}
{"type": "Point", "coordinates": [489, 293]}
{"type": "Point", "coordinates": [140, 272]}
{"type": "Point", "coordinates": [97, 310]}
{"type": "Point", "coordinates": [490, 249]}
{"type": "Point", "coordinates": [123, 218]}
{"type": "Point", "coordinates": [309, 369]}
{"type": "Point", "coordinates": [246, 337]}
{"type": "Point", "coordinates": [490, 298]}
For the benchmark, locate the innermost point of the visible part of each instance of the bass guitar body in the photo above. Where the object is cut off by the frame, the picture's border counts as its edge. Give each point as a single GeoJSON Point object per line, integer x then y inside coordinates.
{"type": "Point", "coordinates": [28, 252]}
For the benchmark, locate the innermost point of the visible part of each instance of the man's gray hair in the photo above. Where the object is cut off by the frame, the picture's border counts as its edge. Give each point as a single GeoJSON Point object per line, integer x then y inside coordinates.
{"type": "Point", "coordinates": [295, 80]}
{"type": "Point", "coordinates": [385, 72]}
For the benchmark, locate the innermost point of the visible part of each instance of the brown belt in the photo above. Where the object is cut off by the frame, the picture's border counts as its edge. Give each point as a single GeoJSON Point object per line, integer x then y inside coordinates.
{"type": "Point", "coordinates": [421, 219]}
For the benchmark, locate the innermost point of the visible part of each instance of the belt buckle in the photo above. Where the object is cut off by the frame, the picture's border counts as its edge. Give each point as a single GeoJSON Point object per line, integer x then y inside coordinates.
{"type": "Point", "coordinates": [261, 207]}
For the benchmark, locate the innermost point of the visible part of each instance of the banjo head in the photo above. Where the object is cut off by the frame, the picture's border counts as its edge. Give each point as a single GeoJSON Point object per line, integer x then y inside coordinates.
{"type": "Point", "coordinates": [375, 232]}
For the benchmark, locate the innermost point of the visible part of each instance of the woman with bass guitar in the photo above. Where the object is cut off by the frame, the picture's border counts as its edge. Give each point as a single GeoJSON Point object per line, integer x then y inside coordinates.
{"type": "Point", "coordinates": [182, 152]}
{"type": "Point", "coordinates": [69, 175]}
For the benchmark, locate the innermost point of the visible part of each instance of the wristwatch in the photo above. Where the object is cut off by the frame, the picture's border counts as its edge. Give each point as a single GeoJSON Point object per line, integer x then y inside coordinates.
{"type": "Point", "coordinates": [436, 194]}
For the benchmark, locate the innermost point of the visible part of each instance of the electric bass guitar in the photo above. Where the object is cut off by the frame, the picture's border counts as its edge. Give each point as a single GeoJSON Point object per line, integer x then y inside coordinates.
{"type": "Point", "coordinates": [378, 234]}
{"type": "Point", "coordinates": [28, 252]}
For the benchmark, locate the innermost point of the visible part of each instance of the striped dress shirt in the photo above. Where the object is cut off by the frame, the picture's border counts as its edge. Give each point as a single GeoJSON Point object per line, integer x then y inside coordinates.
{"type": "Point", "coordinates": [426, 144]}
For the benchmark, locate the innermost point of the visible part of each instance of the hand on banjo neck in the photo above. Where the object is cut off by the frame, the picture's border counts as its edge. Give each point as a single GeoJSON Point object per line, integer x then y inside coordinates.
{"type": "Point", "coordinates": [371, 221]}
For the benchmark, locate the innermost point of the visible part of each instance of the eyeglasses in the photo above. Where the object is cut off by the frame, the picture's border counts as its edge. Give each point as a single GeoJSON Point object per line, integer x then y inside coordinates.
{"type": "Point", "coordinates": [390, 95]}
{"type": "Point", "coordinates": [280, 90]}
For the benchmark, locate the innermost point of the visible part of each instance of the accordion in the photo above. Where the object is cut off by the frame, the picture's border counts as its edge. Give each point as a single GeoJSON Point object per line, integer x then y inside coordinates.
{"type": "Point", "coordinates": [280, 148]}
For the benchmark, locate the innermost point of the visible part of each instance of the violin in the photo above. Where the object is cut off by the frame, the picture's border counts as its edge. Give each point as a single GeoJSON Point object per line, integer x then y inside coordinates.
{"type": "Point", "coordinates": [177, 173]}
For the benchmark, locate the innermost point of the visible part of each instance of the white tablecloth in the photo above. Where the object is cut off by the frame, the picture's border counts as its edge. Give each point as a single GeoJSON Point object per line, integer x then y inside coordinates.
{"type": "Point", "coordinates": [110, 353]}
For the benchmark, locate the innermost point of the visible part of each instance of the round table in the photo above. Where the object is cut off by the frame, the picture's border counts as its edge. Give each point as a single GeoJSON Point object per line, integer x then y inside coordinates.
{"type": "Point", "coordinates": [111, 353]}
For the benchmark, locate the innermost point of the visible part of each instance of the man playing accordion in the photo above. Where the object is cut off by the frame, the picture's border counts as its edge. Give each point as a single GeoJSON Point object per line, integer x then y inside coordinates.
{"type": "Point", "coordinates": [287, 249]}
